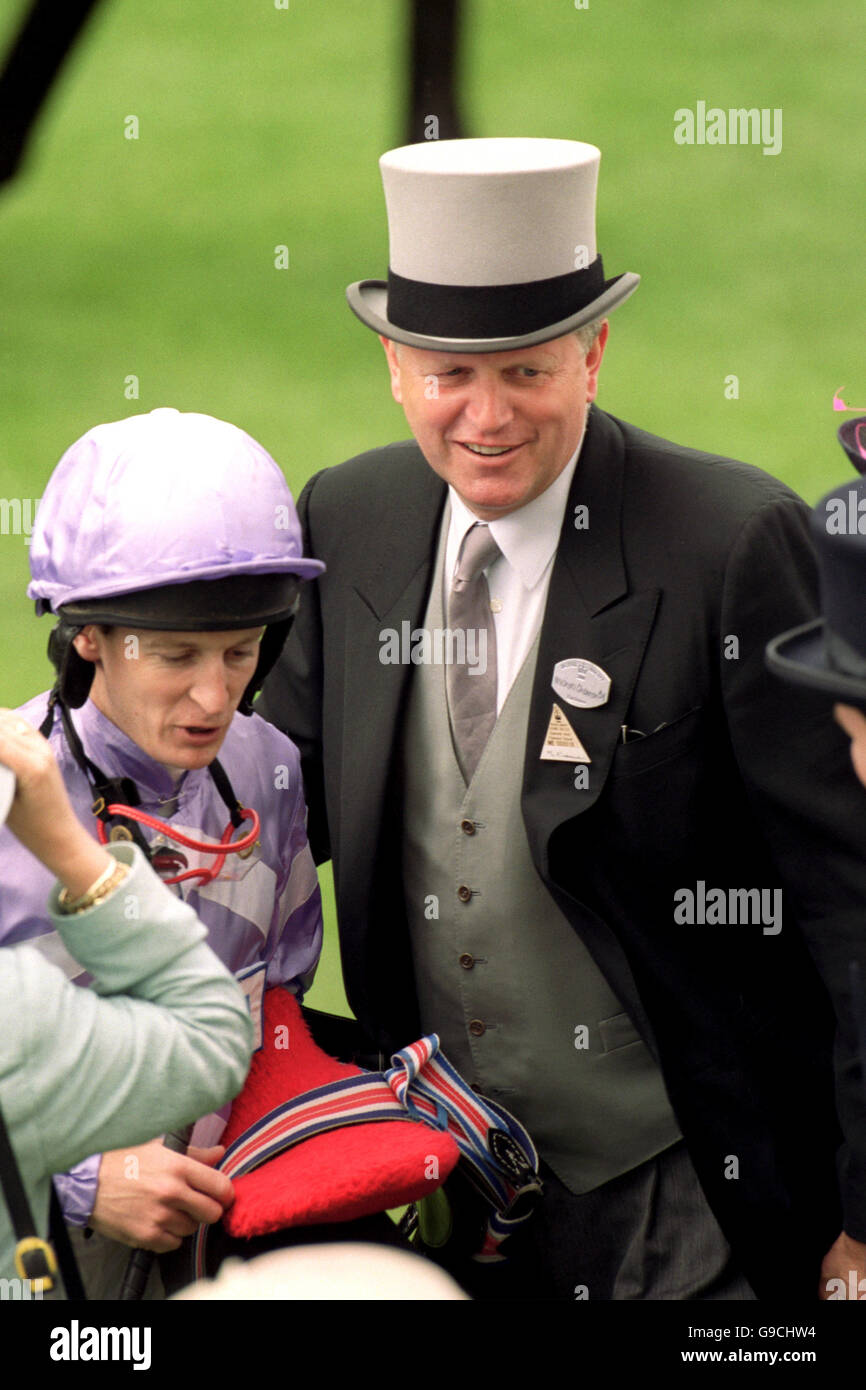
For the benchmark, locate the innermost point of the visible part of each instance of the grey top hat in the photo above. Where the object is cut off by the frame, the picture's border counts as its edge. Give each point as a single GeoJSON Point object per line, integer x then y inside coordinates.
{"type": "Point", "coordinates": [492, 246]}
{"type": "Point", "coordinates": [7, 790]}
{"type": "Point", "coordinates": [829, 654]}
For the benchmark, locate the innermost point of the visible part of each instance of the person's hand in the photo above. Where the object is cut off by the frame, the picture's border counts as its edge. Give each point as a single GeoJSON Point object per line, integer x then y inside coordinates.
{"type": "Point", "coordinates": [41, 815]}
{"type": "Point", "coordinates": [151, 1197]}
{"type": "Point", "coordinates": [853, 721]}
{"type": "Point", "coordinates": [845, 1261]}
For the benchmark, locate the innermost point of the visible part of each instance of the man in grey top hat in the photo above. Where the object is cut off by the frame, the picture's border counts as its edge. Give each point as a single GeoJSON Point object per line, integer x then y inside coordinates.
{"type": "Point", "coordinates": [555, 779]}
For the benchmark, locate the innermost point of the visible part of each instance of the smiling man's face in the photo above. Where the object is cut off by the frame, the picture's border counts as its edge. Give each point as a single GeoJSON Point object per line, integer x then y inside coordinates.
{"type": "Point", "coordinates": [498, 426]}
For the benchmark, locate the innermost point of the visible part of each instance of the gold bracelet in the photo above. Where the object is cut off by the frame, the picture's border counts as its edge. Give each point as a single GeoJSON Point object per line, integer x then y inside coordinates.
{"type": "Point", "coordinates": [108, 880]}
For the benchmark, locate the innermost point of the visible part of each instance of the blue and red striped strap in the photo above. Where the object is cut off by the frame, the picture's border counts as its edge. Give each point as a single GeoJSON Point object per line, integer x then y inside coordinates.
{"type": "Point", "coordinates": [496, 1153]}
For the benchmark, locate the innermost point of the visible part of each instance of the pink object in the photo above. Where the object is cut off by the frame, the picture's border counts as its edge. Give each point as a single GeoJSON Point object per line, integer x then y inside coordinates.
{"type": "Point", "coordinates": [839, 404]}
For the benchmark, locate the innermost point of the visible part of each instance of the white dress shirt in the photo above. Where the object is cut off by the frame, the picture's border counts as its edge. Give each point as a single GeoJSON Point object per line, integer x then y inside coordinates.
{"type": "Point", "coordinates": [518, 579]}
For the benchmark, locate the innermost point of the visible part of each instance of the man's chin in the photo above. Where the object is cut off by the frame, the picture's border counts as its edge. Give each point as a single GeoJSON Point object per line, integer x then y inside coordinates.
{"type": "Point", "coordinates": [178, 758]}
{"type": "Point", "coordinates": [489, 502]}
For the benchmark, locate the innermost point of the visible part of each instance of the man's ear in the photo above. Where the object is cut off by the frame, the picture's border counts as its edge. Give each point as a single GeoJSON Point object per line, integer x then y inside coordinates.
{"type": "Point", "coordinates": [393, 367]}
{"type": "Point", "coordinates": [593, 361]}
{"type": "Point", "coordinates": [88, 643]}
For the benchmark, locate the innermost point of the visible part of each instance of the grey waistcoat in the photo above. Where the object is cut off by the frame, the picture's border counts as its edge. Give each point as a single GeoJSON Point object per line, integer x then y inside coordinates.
{"type": "Point", "coordinates": [520, 1006]}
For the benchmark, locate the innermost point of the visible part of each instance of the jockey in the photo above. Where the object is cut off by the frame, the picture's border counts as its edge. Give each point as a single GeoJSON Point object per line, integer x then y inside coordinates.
{"type": "Point", "coordinates": [168, 546]}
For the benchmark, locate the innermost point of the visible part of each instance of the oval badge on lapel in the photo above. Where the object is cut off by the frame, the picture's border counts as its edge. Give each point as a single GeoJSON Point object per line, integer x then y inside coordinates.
{"type": "Point", "coordinates": [581, 683]}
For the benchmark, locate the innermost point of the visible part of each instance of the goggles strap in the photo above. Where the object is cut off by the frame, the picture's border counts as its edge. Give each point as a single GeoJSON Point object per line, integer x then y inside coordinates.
{"type": "Point", "coordinates": [48, 722]}
{"type": "Point", "coordinates": [105, 790]}
{"type": "Point", "coordinates": [116, 792]}
{"type": "Point", "coordinates": [224, 787]}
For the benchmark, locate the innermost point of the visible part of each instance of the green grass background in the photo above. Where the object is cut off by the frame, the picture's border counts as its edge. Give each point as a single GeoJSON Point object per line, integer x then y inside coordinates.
{"type": "Point", "coordinates": [260, 126]}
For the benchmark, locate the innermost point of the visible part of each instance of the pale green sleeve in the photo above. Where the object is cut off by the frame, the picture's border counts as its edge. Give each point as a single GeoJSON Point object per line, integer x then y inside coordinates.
{"type": "Point", "coordinates": [88, 1070]}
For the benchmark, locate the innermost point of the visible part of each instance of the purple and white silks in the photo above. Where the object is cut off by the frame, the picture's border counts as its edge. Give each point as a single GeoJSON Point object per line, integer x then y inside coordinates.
{"type": "Point", "coordinates": [265, 909]}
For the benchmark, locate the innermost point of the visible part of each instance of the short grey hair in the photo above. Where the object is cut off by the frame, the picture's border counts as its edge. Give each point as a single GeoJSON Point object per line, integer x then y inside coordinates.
{"type": "Point", "coordinates": [587, 335]}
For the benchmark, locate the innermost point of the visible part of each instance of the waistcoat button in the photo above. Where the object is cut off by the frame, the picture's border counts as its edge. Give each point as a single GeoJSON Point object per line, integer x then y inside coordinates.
{"type": "Point", "coordinates": [467, 961]}
{"type": "Point", "coordinates": [477, 1028]}
{"type": "Point", "coordinates": [468, 827]}
{"type": "Point", "coordinates": [464, 893]}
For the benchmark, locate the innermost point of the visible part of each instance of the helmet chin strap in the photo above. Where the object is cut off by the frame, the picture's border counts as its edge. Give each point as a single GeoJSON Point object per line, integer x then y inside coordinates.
{"type": "Point", "coordinates": [117, 799]}
{"type": "Point", "coordinates": [272, 643]}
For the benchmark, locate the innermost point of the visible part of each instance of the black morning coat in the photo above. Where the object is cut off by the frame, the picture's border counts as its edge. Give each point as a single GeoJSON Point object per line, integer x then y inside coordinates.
{"type": "Point", "coordinates": [680, 570]}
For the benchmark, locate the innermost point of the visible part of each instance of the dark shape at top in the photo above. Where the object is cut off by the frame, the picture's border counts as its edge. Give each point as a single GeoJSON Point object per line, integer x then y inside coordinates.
{"type": "Point", "coordinates": [45, 38]}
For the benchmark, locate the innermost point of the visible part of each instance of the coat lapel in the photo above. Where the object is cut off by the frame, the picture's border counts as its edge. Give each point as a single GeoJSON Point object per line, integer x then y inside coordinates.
{"type": "Point", "coordinates": [590, 614]}
{"type": "Point", "coordinates": [390, 591]}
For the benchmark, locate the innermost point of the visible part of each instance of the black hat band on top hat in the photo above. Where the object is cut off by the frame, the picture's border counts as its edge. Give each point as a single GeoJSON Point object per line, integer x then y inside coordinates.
{"type": "Point", "coordinates": [491, 311]}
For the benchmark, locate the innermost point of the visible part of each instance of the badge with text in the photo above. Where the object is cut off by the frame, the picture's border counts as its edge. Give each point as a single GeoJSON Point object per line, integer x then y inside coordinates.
{"type": "Point", "coordinates": [581, 683]}
{"type": "Point", "coordinates": [561, 744]}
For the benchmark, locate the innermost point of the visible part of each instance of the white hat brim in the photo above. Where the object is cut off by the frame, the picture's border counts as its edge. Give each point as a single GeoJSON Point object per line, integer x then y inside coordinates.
{"type": "Point", "coordinates": [368, 300]}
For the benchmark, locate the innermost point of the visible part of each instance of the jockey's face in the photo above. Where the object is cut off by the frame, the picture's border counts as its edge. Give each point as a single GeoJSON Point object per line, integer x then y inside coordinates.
{"type": "Point", "coordinates": [173, 693]}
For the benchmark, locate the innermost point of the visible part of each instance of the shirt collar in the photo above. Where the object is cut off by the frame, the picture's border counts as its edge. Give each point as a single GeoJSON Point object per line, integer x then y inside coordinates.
{"type": "Point", "coordinates": [116, 755]}
{"type": "Point", "coordinates": [527, 537]}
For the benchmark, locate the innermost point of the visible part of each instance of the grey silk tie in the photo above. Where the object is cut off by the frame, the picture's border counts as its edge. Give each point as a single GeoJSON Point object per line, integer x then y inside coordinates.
{"type": "Point", "coordinates": [471, 682]}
